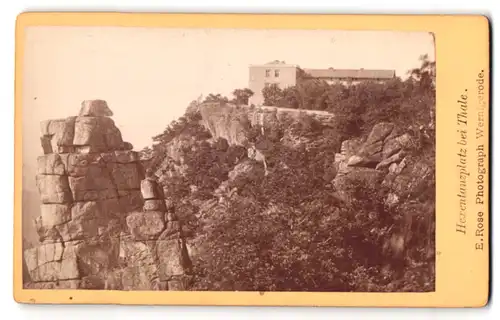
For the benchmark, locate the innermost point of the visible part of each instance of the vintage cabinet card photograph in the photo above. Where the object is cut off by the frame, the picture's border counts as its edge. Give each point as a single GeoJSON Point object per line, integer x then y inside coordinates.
{"type": "Point", "coordinates": [243, 159]}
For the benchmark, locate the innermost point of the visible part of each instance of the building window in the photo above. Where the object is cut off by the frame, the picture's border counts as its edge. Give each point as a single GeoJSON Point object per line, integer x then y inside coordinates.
{"type": "Point", "coordinates": [276, 73]}
{"type": "Point", "coordinates": [268, 73]}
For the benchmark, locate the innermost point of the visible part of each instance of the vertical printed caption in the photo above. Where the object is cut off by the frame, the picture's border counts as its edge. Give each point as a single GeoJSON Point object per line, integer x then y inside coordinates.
{"type": "Point", "coordinates": [472, 141]}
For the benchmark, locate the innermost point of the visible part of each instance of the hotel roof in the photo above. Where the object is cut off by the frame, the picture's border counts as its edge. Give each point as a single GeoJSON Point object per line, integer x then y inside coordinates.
{"type": "Point", "coordinates": [275, 63]}
{"type": "Point", "coordinates": [351, 73]}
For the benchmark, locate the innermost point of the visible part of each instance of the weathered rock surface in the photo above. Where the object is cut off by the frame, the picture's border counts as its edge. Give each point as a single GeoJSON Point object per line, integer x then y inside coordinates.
{"type": "Point", "coordinates": [171, 255]}
{"type": "Point", "coordinates": [90, 188]}
{"type": "Point", "coordinates": [95, 108]}
{"type": "Point", "coordinates": [121, 156]}
{"type": "Point", "coordinates": [58, 285]}
{"type": "Point", "coordinates": [395, 158]}
{"type": "Point", "coordinates": [378, 151]}
{"type": "Point", "coordinates": [52, 262]}
{"type": "Point", "coordinates": [411, 180]}
{"type": "Point", "coordinates": [54, 214]}
{"type": "Point", "coordinates": [151, 190]}
{"type": "Point", "coordinates": [103, 224]}
{"type": "Point", "coordinates": [379, 132]}
{"type": "Point", "coordinates": [141, 272]}
{"type": "Point", "coordinates": [380, 161]}
{"type": "Point", "coordinates": [126, 176]}
{"type": "Point", "coordinates": [131, 199]}
{"type": "Point", "coordinates": [59, 132]}
{"type": "Point", "coordinates": [146, 225]}
{"type": "Point", "coordinates": [233, 122]}
{"type": "Point", "coordinates": [54, 189]}
{"type": "Point", "coordinates": [154, 205]}
{"type": "Point", "coordinates": [98, 134]}
{"type": "Point", "coordinates": [51, 164]}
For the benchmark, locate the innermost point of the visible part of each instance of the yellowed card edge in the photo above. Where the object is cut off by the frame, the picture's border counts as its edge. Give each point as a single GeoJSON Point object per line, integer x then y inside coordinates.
{"type": "Point", "coordinates": [462, 50]}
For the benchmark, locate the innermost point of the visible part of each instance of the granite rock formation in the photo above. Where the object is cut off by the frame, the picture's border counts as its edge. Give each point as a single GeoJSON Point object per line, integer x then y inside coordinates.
{"type": "Point", "coordinates": [104, 223]}
{"type": "Point", "coordinates": [381, 159]}
{"type": "Point", "coordinates": [231, 122]}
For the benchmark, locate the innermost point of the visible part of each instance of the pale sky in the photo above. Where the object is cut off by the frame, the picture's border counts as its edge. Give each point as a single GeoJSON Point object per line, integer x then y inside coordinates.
{"type": "Point", "coordinates": [148, 76]}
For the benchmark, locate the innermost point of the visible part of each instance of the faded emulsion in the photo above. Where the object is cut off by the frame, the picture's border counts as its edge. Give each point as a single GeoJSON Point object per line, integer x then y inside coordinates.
{"type": "Point", "coordinates": [306, 179]}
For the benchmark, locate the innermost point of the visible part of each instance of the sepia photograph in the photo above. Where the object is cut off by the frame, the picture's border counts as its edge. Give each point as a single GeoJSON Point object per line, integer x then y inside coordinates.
{"type": "Point", "coordinates": [219, 159]}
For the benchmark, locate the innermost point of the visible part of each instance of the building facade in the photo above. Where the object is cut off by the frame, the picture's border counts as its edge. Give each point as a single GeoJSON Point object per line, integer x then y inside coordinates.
{"type": "Point", "coordinates": [275, 72]}
{"type": "Point", "coordinates": [285, 75]}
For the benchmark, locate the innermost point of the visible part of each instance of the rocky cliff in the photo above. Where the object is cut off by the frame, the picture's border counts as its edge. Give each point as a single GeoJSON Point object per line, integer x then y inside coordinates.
{"type": "Point", "coordinates": [231, 122]}
{"type": "Point", "coordinates": [383, 160]}
{"type": "Point", "coordinates": [104, 223]}
{"type": "Point", "coordinates": [269, 189]}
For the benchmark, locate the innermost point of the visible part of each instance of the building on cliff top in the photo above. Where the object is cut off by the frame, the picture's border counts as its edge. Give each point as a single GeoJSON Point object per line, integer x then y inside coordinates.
{"type": "Point", "coordinates": [285, 75]}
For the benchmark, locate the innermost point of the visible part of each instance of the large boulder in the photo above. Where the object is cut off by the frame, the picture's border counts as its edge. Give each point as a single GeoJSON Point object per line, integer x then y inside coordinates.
{"type": "Point", "coordinates": [97, 134]}
{"type": "Point", "coordinates": [59, 132]}
{"type": "Point", "coordinates": [379, 132]}
{"type": "Point", "coordinates": [126, 176]}
{"type": "Point", "coordinates": [95, 108]}
{"type": "Point", "coordinates": [83, 224]}
{"type": "Point", "coordinates": [154, 205]}
{"type": "Point", "coordinates": [52, 262]}
{"type": "Point", "coordinates": [52, 164]}
{"type": "Point", "coordinates": [172, 230]}
{"type": "Point", "coordinates": [54, 189]}
{"type": "Point", "coordinates": [382, 148]}
{"type": "Point", "coordinates": [395, 158]}
{"type": "Point", "coordinates": [151, 190]}
{"type": "Point", "coordinates": [89, 178]}
{"type": "Point", "coordinates": [95, 186]}
{"type": "Point", "coordinates": [246, 169]}
{"type": "Point", "coordinates": [95, 260]}
{"type": "Point", "coordinates": [349, 147]}
{"type": "Point", "coordinates": [54, 214]}
{"type": "Point", "coordinates": [395, 145]}
{"type": "Point", "coordinates": [45, 141]}
{"type": "Point", "coordinates": [130, 199]}
{"type": "Point", "coordinates": [79, 165]}
{"type": "Point", "coordinates": [121, 156]}
{"type": "Point", "coordinates": [227, 122]}
{"type": "Point", "coordinates": [412, 181]}
{"type": "Point", "coordinates": [146, 225]}
{"type": "Point", "coordinates": [173, 258]}
{"type": "Point", "coordinates": [90, 220]}
{"type": "Point", "coordinates": [141, 272]}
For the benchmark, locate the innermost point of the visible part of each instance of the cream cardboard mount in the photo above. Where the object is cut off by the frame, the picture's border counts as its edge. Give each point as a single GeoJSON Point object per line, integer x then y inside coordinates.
{"type": "Point", "coordinates": [109, 234]}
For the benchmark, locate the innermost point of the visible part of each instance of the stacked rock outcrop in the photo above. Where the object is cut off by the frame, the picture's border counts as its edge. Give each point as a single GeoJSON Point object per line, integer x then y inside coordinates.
{"type": "Point", "coordinates": [92, 207]}
{"type": "Point", "coordinates": [381, 159]}
{"type": "Point", "coordinates": [155, 249]}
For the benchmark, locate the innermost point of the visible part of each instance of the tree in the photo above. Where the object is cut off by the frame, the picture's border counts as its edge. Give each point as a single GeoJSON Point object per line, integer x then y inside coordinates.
{"type": "Point", "coordinates": [426, 73]}
{"type": "Point", "coordinates": [302, 75]}
{"type": "Point", "coordinates": [146, 153]}
{"type": "Point", "coordinates": [241, 96]}
{"type": "Point", "coordinates": [216, 98]}
{"type": "Point", "coordinates": [272, 95]}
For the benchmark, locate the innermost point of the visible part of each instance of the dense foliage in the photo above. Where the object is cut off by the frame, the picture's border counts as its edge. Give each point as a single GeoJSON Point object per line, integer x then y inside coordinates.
{"type": "Point", "coordinates": [291, 229]}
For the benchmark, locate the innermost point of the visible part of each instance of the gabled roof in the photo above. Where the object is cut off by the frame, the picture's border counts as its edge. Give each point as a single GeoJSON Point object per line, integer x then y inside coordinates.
{"type": "Point", "coordinates": [351, 73]}
{"type": "Point", "coordinates": [275, 63]}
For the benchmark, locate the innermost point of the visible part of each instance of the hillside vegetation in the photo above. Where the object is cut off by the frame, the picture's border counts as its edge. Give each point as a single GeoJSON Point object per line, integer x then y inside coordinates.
{"type": "Point", "coordinates": [308, 204]}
